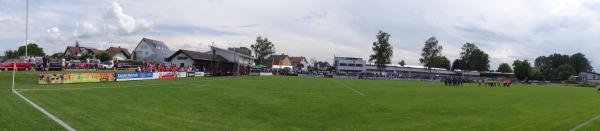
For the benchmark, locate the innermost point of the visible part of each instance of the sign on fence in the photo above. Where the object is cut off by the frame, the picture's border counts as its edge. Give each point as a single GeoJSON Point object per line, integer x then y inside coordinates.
{"type": "Point", "coordinates": [167, 75]}
{"type": "Point", "coordinates": [134, 76]}
{"type": "Point", "coordinates": [65, 78]}
{"type": "Point", "coordinates": [181, 74]}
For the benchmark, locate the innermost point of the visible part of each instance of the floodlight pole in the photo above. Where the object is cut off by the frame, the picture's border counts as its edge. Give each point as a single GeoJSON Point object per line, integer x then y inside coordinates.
{"type": "Point", "coordinates": [26, 29]}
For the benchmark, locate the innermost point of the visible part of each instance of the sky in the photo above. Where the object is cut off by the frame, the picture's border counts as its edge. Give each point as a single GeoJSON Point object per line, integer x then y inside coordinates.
{"type": "Point", "coordinates": [317, 29]}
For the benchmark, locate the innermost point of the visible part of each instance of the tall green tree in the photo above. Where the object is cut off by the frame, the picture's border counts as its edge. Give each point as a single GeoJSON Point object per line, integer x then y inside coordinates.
{"type": "Point", "coordinates": [457, 64]}
{"type": "Point", "coordinates": [430, 50]}
{"type": "Point", "coordinates": [580, 63]}
{"type": "Point", "coordinates": [439, 62]}
{"type": "Point", "coordinates": [504, 68]}
{"type": "Point", "coordinates": [262, 48]}
{"type": "Point", "coordinates": [522, 69]}
{"type": "Point", "coordinates": [565, 71]}
{"type": "Point", "coordinates": [32, 50]}
{"type": "Point", "coordinates": [544, 66]}
{"type": "Point", "coordinates": [382, 51]}
{"type": "Point", "coordinates": [473, 58]}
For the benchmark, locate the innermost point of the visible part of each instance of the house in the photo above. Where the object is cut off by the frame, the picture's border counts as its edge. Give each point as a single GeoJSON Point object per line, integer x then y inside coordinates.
{"type": "Point", "coordinates": [151, 50]}
{"type": "Point", "coordinates": [589, 77]}
{"type": "Point", "coordinates": [217, 61]}
{"type": "Point", "coordinates": [279, 62]}
{"type": "Point", "coordinates": [299, 63]}
{"type": "Point", "coordinates": [76, 51]}
{"type": "Point", "coordinates": [322, 65]}
{"type": "Point", "coordinates": [119, 53]}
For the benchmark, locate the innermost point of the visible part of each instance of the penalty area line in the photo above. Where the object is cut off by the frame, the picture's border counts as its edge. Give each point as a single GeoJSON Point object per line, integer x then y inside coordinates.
{"type": "Point", "coordinates": [585, 123]}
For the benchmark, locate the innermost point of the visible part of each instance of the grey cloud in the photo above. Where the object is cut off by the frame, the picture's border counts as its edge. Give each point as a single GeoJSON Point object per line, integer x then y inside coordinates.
{"type": "Point", "coordinates": [484, 34]}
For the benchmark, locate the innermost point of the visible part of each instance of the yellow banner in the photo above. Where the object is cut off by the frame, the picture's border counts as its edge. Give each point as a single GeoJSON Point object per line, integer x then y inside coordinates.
{"type": "Point", "coordinates": [64, 78]}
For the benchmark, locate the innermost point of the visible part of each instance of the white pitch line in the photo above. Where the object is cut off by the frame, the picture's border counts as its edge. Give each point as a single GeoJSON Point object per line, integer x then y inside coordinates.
{"type": "Point", "coordinates": [348, 87]}
{"type": "Point", "coordinates": [585, 123]}
{"type": "Point", "coordinates": [48, 114]}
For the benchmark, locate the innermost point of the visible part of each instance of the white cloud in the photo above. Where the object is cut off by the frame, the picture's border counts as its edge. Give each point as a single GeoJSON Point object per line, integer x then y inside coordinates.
{"type": "Point", "coordinates": [115, 23]}
{"type": "Point", "coordinates": [54, 34]}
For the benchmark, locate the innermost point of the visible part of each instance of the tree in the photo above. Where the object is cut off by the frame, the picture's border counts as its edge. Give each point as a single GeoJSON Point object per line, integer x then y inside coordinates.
{"type": "Point", "coordinates": [382, 51]}
{"type": "Point", "coordinates": [401, 63]}
{"type": "Point", "coordinates": [85, 56]}
{"type": "Point", "coordinates": [580, 63]}
{"type": "Point", "coordinates": [439, 62]}
{"type": "Point", "coordinates": [564, 71]}
{"type": "Point", "coordinates": [504, 68]}
{"type": "Point", "coordinates": [543, 64]}
{"type": "Point", "coordinates": [262, 48]}
{"type": "Point", "coordinates": [549, 65]}
{"type": "Point", "coordinates": [32, 50]}
{"type": "Point", "coordinates": [11, 54]}
{"type": "Point", "coordinates": [430, 50]}
{"type": "Point", "coordinates": [473, 58]}
{"type": "Point", "coordinates": [522, 69]}
{"type": "Point", "coordinates": [457, 64]}
{"type": "Point", "coordinates": [104, 56]}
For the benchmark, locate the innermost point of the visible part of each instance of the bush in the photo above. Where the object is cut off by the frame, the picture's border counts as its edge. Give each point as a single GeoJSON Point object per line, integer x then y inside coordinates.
{"type": "Point", "coordinates": [586, 85]}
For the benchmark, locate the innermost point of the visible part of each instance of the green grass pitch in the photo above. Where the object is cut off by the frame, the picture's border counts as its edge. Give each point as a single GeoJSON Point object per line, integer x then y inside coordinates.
{"type": "Point", "coordinates": [294, 103]}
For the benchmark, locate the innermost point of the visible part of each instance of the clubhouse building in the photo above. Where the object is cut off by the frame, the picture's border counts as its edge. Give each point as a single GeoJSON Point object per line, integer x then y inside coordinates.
{"type": "Point", "coordinates": [217, 61]}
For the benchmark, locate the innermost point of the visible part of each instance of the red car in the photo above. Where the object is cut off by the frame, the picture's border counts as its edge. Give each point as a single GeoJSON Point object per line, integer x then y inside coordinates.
{"type": "Point", "coordinates": [80, 65]}
{"type": "Point", "coordinates": [21, 64]}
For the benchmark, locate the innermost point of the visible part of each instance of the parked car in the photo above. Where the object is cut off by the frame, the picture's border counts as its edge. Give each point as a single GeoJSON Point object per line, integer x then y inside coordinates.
{"type": "Point", "coordinates": [55, 64]}
{"type": "Point", "coordinates": [107, 65]}
{"type": "Point", "coordinates": [75, 64]}
{"type": "Point", "coordinates": [21, 64]}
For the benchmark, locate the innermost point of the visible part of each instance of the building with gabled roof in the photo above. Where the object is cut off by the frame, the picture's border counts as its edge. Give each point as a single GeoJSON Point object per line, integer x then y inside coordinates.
{"type": "Point", "coordinates": [217, 61]}
{"type": "Point", "coordinates": [299, 63]}
{"type": "Point", "coordinates": [279, 62]}
{"type": "Point", "coordinates": [119, 53]}
{"type": "Point", "coordinates": [77, 50]}
{"type": "Point", "coordinates": [151, 50]}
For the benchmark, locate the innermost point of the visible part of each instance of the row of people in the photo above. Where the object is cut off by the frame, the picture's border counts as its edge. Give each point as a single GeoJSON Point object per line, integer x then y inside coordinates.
{"type": "Point", "coordinates": [453, 81]}
{"type": "Point", "coordinates": [495, 83]}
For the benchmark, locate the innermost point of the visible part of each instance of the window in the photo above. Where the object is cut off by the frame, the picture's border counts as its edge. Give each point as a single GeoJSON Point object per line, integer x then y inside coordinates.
{"type": "Point", "coordinates": [350, 64]}
{"type": "Point", "coordinates": [181, 64]}
{"type": "Point", "coordinates": [343, 64]}
{"type": "Point", "coordinates": [359, 65]}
